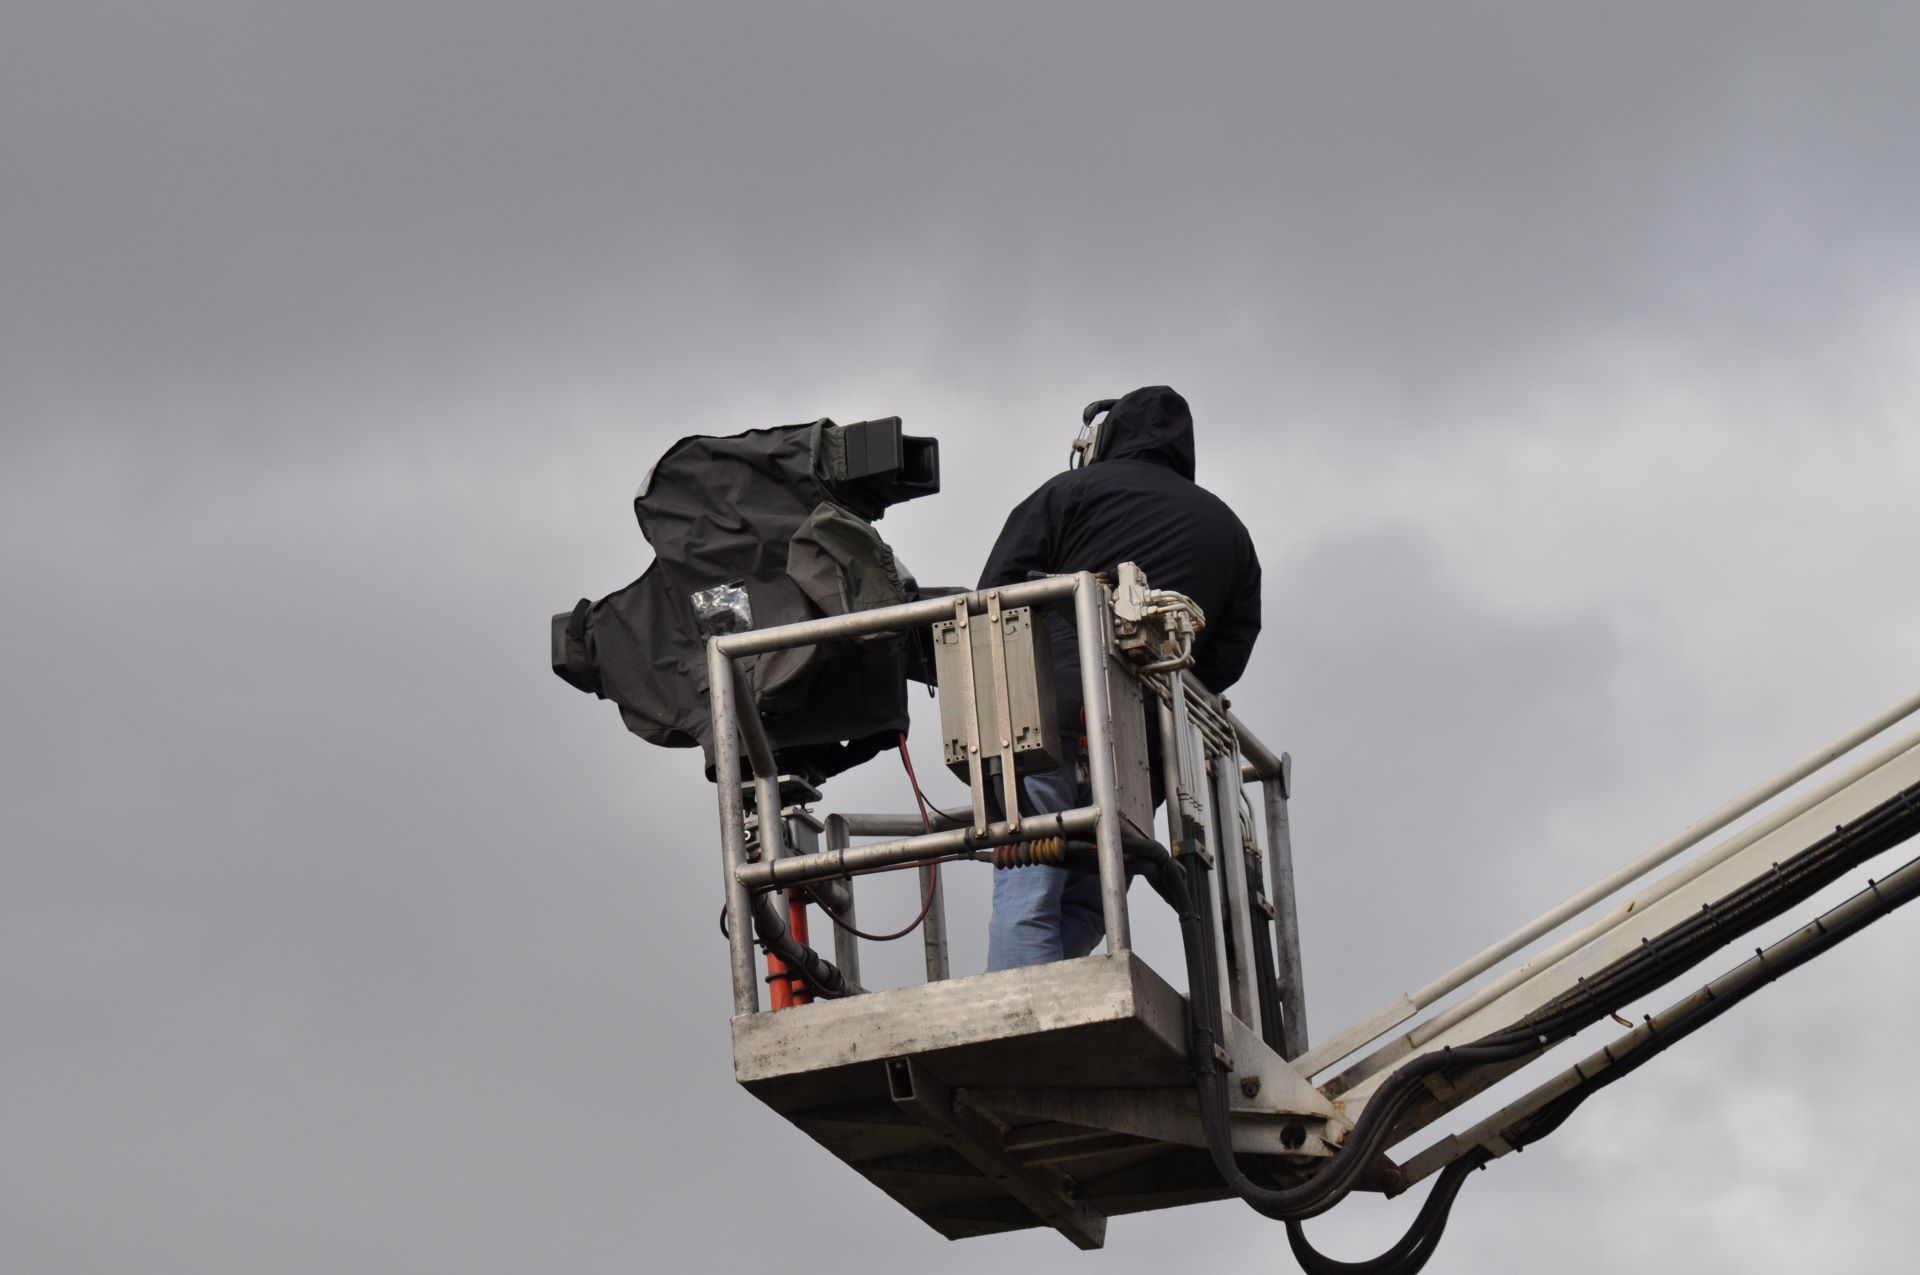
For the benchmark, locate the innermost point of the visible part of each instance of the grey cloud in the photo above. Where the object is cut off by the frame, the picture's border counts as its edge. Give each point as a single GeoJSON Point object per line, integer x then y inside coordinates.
{"type": "Point", "coordinates": [325, 208]}
{"type": "Point", "coordinates": [336, 932]}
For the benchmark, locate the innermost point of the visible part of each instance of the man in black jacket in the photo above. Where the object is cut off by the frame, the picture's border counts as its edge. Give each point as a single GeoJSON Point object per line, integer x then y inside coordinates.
{"type": "Point", "coordinates": [1132, 500]}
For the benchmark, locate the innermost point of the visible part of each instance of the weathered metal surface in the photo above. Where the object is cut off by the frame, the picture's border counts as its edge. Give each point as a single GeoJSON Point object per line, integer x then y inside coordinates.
{"type": "Point", "coordinates": [982, 1142]}
{"type": "Point", "coordinates": [1282, 1088]}
{"type": "Point", "coordinates": [858, 624]}
{"type": "Point", "coordinates": [1158, 1115]}
{"type": "Point", "coordinates": [933, 929]}
{"type": "Point", "coordinates": [1002, 702]}
{"type": "Point", "coordinates": [1333, 1049]}
{"type": "Point", "coordinates": [901, 1085]}
{"type": "Point", "coordinates": [733, 834]}
{"type": "Point", "coordinates": [1100, 1024]}
{"type": "Point", "coordinates": [846, 945]}
{"type": "Point", "coordinates": [975, 771]}
{"type": "Point", "coordinates": [1037, 1018]}
{"type": "Point", "coordinates": [1132, 768]}
{"type": "Point", "coordinates": [1093, 629]}
{"type": "Point", "coordinates": [1286, 907]}
{"type": "Point", "coordinates": [1233, 877]}
{"type": "Point", "coordinates": [1009, 655]}
{"type": "Point", "coordinates": [891, 854]}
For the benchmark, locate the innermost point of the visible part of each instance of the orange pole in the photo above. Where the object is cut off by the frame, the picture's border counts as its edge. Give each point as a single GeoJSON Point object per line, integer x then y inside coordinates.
{"type": "Point", "coordinates": [777, 982]}
{"type": "Point", "coordinates": [797, 923]}
{"type": "Point", "coordinates": [787, 988]}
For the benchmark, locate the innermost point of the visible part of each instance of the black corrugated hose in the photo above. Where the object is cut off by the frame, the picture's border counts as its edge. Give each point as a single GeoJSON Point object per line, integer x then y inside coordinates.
{"type": "Point", "coordinates": [1332, 1183]}
{"type": "Point", "coordinates": [1414, 1248]}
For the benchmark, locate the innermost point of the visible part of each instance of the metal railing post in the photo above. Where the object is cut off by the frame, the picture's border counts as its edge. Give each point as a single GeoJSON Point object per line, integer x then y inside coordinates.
{"type": "Point", "coordinates": [1275, 790]}
{"type": "Point", "coordinates": [733, 829]}
{"type": "Point", "coordinates": [1092, 632]}
{"type": "Point", "coordinates": [846, 945]}
{"type": "Point", "coordinates": [1274, 773]}
{"type": "Point", "coordinates": [1232, 871]}
{"type": "Point", "coordinates": [914, 849]}
{"type": "Point", "coordinates": [934, 928]}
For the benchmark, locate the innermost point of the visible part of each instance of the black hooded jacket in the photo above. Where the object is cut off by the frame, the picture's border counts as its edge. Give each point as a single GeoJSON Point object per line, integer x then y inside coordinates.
{"type": "Point", "coordinates": [1137, 502]}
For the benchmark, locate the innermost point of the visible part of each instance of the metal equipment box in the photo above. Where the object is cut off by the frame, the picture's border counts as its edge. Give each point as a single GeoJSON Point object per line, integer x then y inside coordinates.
{"type": "Point", "coordinates": [1012, 688]}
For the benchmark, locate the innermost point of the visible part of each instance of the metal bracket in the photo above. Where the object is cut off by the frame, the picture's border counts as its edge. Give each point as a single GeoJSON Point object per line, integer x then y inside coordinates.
{"type": "Point", "coordinates": [976, 784]}
{"type": "Point", "coordinates": [977, 1139]}
{"type": "Point", "coordinates": [1003, 697]}
{"type": "Point", "coordinates": [1161, 1115]}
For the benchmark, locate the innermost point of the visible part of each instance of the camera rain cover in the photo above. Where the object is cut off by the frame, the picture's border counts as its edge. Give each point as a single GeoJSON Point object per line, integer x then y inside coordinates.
{"type": "Point", "coordinates": [759, 529]}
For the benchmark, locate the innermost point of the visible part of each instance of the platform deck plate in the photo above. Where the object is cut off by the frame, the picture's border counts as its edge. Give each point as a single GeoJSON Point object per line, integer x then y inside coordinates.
{"type": "Point", "coordinates": [1097, 1022]}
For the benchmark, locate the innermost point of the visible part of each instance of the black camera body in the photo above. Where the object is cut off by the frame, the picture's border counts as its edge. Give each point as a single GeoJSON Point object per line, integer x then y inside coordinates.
{"type": "Point", "coordinates": [769, 527]}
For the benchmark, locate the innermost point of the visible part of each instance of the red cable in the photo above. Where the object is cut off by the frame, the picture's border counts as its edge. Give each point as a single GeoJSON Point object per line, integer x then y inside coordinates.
{"type": "Point", "coordinates": [906, 759]}
{"type": "Point", "coordinates": [933, 866]}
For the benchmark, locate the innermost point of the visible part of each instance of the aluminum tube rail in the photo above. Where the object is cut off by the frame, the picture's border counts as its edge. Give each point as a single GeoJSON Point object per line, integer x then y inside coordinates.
{"type": "Point", "coordinates": [773, 830]}
{"type": "Point", "coordinates": [1186, 736]}
{"type": "Point", "coordinates": [933, 927]}
{"type": "Point", "coordinates": [841, 828]}
{"type": "Point", "coordinates": [1293, 992]}
{"type": "Point", "coordinates": [1093, 633]}
{"type": "Point", "coordinates": [733, 834]}
{"type": "Point", "coordinates": [746, 712]}
{"type": "Point", "coordinates": [1233, 879]}
{"type": "Point", "coordinates": [893, 854]}
{"type": "Point", "coordinates": [1272, 772]}
{"type": "Point", "coordinates": [836, 896]}
{"type": "Point", "coordinates": [846, 944]}
{"type": "Point", "coordinates": [907, 825]}
{"type": "Point", "coordinates": [1409, 1004]}
{"type": "Point", "coordinates": [908, 615]}
{"type": "Point", "coordinates": [1828, 930]}
{"type": "Point", "coordinates": [1170, 772]}
{"type": "Point", "coordinates": [1261, 762]}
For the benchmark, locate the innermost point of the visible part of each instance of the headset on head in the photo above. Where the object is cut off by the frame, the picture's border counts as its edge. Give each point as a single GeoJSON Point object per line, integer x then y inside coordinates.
{"type": "Point", "coordinates": [1086, 448]}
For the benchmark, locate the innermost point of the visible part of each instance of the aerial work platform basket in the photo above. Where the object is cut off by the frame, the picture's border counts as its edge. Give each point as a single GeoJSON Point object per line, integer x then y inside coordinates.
{"type": "Point", "coordinates": [1061, 1095]}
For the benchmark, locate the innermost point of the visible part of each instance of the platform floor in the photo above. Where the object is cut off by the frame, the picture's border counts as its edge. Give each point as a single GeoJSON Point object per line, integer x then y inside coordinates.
{"type": "Point", "coordinates": [928, 1132]}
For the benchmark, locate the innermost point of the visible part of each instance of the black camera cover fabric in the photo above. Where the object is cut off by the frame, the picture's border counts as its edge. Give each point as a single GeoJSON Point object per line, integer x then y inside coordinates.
{"type": "Point", "coordinates": [758, 511]}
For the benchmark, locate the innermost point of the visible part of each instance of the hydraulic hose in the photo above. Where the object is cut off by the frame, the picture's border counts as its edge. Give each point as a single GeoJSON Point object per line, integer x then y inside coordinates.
{"type": "Point", "coordinates": [1336, 1178]}
{"type": "Point", "coordinates": [1149, 859]}
{"type": "Point", "coordinates": [770, 927]}
{"type": "Point", "coordinates": [1414, 1248]}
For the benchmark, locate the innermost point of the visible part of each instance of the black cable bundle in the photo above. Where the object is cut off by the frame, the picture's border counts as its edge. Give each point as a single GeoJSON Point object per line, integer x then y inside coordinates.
{"type": "Point", "coordinates": [1658, 961]}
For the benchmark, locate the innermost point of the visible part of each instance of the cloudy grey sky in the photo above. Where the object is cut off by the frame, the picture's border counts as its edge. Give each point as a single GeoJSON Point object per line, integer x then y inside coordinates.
{"type": "Point", "coordinates": [1561, 358]}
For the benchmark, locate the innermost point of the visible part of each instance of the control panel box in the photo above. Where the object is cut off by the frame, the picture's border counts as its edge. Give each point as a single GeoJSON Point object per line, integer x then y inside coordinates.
{"type": "Point", "coordinates": [1008, 693]}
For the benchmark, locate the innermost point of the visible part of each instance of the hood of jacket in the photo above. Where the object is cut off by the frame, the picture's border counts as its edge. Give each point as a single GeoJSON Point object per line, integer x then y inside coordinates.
{"type": "Point", "coordinates": [1151, 424]}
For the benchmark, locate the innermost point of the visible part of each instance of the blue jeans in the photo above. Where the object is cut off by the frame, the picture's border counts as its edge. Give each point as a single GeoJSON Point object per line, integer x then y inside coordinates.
{"type": "Point", "coordinates": [1044, 913]}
